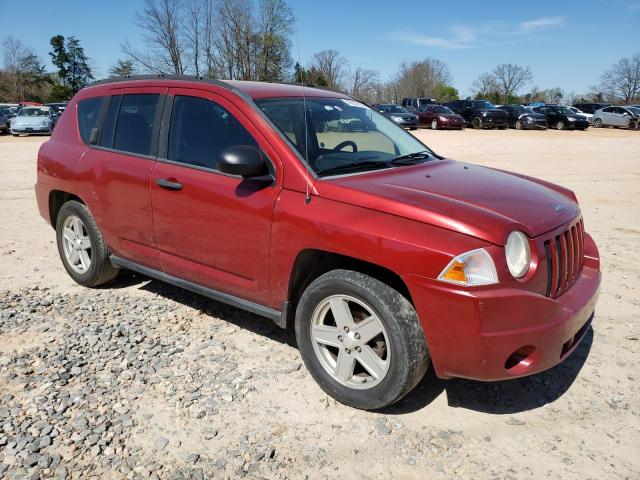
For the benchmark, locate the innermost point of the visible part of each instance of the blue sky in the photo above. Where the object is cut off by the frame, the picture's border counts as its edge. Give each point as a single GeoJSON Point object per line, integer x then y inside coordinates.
{"type": "Point", "coordinates": [566, 44]}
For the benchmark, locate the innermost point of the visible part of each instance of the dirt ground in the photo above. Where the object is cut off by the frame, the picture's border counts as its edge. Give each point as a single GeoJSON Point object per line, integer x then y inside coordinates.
{"type": "Point", "coordinates": [578, 420]}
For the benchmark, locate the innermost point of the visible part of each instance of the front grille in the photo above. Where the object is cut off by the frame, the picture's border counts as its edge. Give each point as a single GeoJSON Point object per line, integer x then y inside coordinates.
{"type": "Point", "coordinates": [564, 259]}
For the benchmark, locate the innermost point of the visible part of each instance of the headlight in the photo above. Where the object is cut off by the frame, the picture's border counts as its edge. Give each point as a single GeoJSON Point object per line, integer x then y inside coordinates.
{"type": "Point", "coordinates": [442, 119]}
{"type": "Point", "coordinates": [518, 254]}
{"type": "Point", "coordinates": [396, 119]}
{"type": "Point", "coordinates": [484, 114]}
{"type": "Point", "coordinates": [471, 268]}
{"type": "Point", "coordinates": [571, 119]}
{"type": "Point", "coordinates": [530, 119]}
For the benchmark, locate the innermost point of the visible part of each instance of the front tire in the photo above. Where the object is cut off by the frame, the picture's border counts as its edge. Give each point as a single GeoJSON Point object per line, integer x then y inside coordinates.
{"type": "Point", "coordinates": [560, 125]}
{"type": "Point", "coordinates": [476, 122]}
{"type": "Point", "coordinates": [82, 250]}
{"type": "Point", "coordinates": [519, 125]}
{"type": "Point", "coordinates": [597, 123]}
{"type": "Point", "coordinates": [360, 339]}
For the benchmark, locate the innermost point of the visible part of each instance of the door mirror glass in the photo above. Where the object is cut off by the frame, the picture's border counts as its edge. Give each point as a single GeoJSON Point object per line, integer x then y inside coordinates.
{"type": "Point", "coordinates": [243, 160]}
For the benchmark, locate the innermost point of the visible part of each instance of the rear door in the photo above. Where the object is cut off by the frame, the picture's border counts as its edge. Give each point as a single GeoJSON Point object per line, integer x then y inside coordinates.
{"type": "Point", "coordinates": [119, 163]}
{"type": "Point", "coordinates": [212, 228]}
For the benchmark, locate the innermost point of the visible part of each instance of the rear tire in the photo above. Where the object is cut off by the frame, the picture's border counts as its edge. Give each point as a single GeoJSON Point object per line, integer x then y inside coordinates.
{"type": "Point", "coordinates": [398, 352]}
{"type": "Point", "coordinates": [82, 249]}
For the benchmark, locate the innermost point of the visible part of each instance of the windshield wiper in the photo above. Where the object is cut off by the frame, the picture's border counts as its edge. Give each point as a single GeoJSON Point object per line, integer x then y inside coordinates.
{"type": "Point", "coordinates": [411, 156]}
{"type": "Point", "coordinates": [355, 166]}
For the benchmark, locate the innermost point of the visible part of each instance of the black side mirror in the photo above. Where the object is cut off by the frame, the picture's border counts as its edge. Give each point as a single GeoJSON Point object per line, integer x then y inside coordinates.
{"type": "Point", "coordinates": [243, 160]}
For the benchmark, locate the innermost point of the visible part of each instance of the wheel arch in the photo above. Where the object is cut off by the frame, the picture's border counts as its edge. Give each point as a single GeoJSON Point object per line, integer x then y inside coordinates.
{"type": "Point", "coordinates": [57, 198]}
{"type": "Point", "coordinates": [311, 263]}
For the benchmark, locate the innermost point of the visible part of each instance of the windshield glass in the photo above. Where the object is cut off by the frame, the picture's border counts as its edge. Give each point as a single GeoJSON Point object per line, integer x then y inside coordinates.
{"type": "Point", "coordinates": [34, 112]}
{"type": "Point", "coordinates": [395, 109]}
{"type": "Point", "coordinates": [480, 104]}
{"type": "Point", "coordinates": [564, 111]}
{"type": "Point", "coordinates": [342, 134]}
{"type": "Point", "coordinates": [441, 109]}
{"type": "Point", "coordinates": [634, 110]}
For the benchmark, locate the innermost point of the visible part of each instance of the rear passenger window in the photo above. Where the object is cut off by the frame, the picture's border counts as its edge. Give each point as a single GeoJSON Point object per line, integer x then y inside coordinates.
{"type": "Point", "coordinates": [200, 129]}
{"type": "Point", "coordinates": [88, 111]}
{"type": "Point", "coordinates": [109, 122]}
{"type": "Point", "coordinates": [134, 127]}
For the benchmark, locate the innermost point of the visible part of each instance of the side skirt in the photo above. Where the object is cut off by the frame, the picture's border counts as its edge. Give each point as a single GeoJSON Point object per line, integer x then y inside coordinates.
{"type": "Point", "coordinates": [278, 317]}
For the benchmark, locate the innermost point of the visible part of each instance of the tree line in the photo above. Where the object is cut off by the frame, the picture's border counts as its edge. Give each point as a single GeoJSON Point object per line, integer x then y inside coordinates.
{"type": "Point", "coordinates": [252, 40]}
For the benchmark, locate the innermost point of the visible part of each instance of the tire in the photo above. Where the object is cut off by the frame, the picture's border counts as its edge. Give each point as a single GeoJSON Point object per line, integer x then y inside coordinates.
{"type": "Point", "coordinates": [434, 124]}
{"type": "Point", "coordinates": [632, 125]}
{"type": "Point", "coordinates": [518, 125]}
{"type": "Point", "coordinates": [400, 344]}
{"type": "Point", "coordinates": [597, 123]}
{"type": "Point", "coordinates": [476, 122]}
{"type": "Point", "coordinates": [560, 125]}
{"type": "Point", "coordinates": [99, 270]}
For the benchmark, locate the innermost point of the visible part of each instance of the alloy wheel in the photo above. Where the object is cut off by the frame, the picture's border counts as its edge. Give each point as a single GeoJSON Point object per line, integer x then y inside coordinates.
{"type": "Point", "coordinates": [434, 124]}
{"type": "Point", "coordinates": [76, 244]}
{"type": "Point", "coordinates": [350, 342]}
{"type": "Point", "coordinates": [560, 125]}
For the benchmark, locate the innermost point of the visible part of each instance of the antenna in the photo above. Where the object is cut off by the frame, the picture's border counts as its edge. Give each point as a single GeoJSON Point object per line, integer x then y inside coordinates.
{"type": "Point", "coordinates": [307, 196]}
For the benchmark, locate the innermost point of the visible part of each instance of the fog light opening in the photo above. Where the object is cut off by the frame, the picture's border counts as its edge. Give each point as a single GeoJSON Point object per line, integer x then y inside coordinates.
{"type": "Point", "coordinates": [521, 359]}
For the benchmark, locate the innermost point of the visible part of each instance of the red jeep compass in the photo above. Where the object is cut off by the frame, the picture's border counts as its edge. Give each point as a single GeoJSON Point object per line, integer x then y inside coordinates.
{"type": "Point", "coordinates": [311, 209]}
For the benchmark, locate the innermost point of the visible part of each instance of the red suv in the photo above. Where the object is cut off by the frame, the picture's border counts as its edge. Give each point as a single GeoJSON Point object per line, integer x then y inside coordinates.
{"type": "Point", "coordinates": [382, 255]}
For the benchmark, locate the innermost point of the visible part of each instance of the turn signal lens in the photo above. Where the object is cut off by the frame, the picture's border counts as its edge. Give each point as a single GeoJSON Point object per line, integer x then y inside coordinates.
{"type": "Point", "coordinates": [472, 268]}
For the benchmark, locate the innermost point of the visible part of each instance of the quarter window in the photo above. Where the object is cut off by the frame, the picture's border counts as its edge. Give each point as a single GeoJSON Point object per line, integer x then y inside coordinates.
{"type": "Point", "coordinates": [134, 127]}
{"type": "Point", "coordinates": [200, 129]}
{"type": "Point", "coordinates": [109, 122]}
{"type": "Point", "coordinates": [88, 111]}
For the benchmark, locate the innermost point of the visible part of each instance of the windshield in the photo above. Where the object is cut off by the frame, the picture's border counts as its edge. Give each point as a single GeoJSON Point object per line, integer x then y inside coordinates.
{"type": "Point", "coordinates": [482, 104]}
{"type": "Point", "coordinates": [34, 112]}
{"type": "Point", "coordinates": [565, 110]}
{"type": "Point", "coordinates": [395, 109]}
{"type": "Point", "coordinates": [342, 134]}
{"type": "Point", "coordinates": [634, 110]}
{"type": "Point", "coordinates": [441, 109]}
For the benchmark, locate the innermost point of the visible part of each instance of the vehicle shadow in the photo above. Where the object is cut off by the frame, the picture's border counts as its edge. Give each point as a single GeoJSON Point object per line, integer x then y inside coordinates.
{"type": "Point", "coordinates": [503, 397]}
{"type": "Point", "coordinates": [499, 398]}
{"type": "Point", "coordinates": [235, 316]}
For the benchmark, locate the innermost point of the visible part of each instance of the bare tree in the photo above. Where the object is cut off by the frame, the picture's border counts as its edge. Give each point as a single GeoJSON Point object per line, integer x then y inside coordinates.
{"type": "Point", "coordinates": [364, 84]}
{"type": "Point", "coordinates": [161, 21]}
{"type": "Point", "coordinates": [276, 21]}
{"type": "Point", "coordinates": [485, 86]}
{"type": "Point", "coordinates": [622, 81]}
{"type": "Point", "coordinates": [332, 67]}
{"type": "Point", "coordinates": [194, 34]}
{"type": "Point", "coordinates": [510, 78]}
{"type": "Point", "coordinates": [423, 79]}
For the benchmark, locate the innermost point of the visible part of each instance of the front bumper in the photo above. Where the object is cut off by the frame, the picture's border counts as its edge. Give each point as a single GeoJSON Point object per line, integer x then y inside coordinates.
{"type": "Point", "coordinates": [494, 122]}
{"type": "Point", "coordinates": [407, 123]}
{"type": "Point", "coordinates": [502, 333]}
{"type": "Point", "coordinates": [31, 130]}
{"type": "Point", "coordinates": [536, 125]}
{"type": "Point", "coordinates": [578, 124]}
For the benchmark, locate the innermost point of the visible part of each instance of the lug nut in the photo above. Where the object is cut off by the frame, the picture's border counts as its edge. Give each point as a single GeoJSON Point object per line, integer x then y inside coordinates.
{"type": "Point", "coordinates": [347, 350]}
{"type": "Point", "coordinates": [346, 329]}
{"type": "Point", "coordinates": [357, 336]}
{"type": "Point", "coordinates": [339, 338]}
{"type": "Point", "coordinates": [358, 349]}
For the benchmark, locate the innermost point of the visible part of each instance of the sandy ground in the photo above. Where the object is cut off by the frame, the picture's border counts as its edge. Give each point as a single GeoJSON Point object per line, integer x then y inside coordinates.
{"type": "Point", "coordinates": [579, 420]}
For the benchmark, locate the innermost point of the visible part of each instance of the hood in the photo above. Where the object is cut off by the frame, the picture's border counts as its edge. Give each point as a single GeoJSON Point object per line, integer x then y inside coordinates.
{"type": "Point", "coordinates": [29, 121]}
{"type": "Point", "coordinates": [535, 116]}
{"type": "Point", "coordinates": [451, 116]}
{"type": "Point", "coordinates": [466, 198]}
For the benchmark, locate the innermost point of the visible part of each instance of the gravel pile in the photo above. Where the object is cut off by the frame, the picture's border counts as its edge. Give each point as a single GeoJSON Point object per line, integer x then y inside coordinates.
{"type": "Point", "coordinates": [81, 365]}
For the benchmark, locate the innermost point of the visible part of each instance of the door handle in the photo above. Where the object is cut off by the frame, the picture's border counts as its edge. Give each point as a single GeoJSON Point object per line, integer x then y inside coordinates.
{"type": "Point", "coordinates": [168, 184]}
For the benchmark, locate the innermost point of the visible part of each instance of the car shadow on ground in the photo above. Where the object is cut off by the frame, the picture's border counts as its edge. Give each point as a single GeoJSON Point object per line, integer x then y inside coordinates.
{"type": "Point", "coordinates": [499, 398]}
{"type": "Point", "coordinates": [235, 316]}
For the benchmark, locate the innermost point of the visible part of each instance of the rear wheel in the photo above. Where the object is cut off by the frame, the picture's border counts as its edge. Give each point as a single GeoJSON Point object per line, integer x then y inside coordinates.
{"type": "Point", "coordinates": [434, 124]}
{"type": "Point", "coordinates": [476, 122]}
{"type": "Point", "coordinates": [360, 339]}
{"type": "Point", "coordinates": [82, 250]}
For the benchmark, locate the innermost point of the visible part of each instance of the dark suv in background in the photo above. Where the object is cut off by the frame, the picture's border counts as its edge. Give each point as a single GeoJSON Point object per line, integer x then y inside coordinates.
{"type": "Point", "coordinates": [590, 107]}
{"type": "Point", "coordinates": [411, 103]}
{"type": "Point", "coordinates": [479, 113]}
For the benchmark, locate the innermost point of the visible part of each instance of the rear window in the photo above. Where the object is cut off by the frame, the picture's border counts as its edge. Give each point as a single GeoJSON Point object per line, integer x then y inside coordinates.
{"type": "Point", "coordinates": [88, 111]}
{"type": "Point", "coordinates": [134, 127]}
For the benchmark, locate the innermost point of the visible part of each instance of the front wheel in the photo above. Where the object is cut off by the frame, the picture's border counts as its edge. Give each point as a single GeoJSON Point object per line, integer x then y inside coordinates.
{"type": "Point", "coordinates": [82, 250]}
{"type": "Point", "coordinates": [597, 123]}
{"type": "Point", "coordinates": [477, 122]}
{"type": "Point", "coordinates": [434, 124]}
{"type": "Point", "coordinates": [560, 125]}
{"type": "Point", "coordinates": [360, 339]}
{"type": "Point", "coordinates": [519, 125]}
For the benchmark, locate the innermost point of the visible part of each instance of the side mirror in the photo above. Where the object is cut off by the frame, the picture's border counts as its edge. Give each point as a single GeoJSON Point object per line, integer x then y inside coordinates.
{"type": "Point", "coordinates": [243, 160]}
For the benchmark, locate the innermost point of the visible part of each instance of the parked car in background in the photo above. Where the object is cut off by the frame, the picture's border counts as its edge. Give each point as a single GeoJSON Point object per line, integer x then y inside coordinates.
{"type": "Point", "coordinates": [590, 107]}
{"type": "Point", "coordinates": [34, 120]}
{"type": "Point", "coordinates": [4, 121]}
{"type": "Point", "coordinates": [562, 118]}
{"type": "Point", "coordinates": [381, 255]}
{"type": "Point", "coordinates": [59, 107]}
{"type": "Point", "coordinates": [523, 118]}
{"type": "Point", "coordinates": [577, 111]}
{"type": "Point", "coordinates": [479, 113]}
{"type": "Point", "coordinates": [398, 114]}
{"type": "Point", "coordinates": [439, 116]}
{"type": "Point", "coordinates": [619, 117]}
{"type": "Point", "coordinates": [411, 103]}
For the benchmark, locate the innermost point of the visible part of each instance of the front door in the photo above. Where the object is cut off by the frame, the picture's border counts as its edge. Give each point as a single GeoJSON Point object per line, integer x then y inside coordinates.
{"type": "Point", "coordinates": [211, 228]}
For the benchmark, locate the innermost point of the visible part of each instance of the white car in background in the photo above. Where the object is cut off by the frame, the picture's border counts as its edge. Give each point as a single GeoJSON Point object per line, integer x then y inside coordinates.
{"type": "Point", "coordinates": [577, 111]}
{"type": "Point", "coordinates": [33, 120]}
{"type": "Point", "coordinates": [626, 117]}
